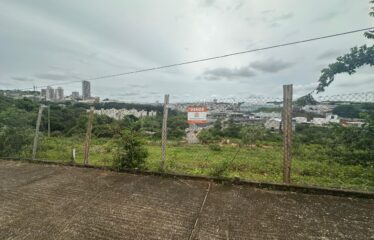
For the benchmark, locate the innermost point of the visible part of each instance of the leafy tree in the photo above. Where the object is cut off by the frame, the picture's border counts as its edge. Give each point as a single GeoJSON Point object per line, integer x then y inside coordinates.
{"type": "Point", "coordinates": [207, 135]}
{"type": "Point", "coordinates": [348, 63]}
{"type": "Point", "coordinates": [305, 100]}
{"type": "Point", "coordinates": [129, 122]}
{"type": "Point", "coordinates": [14, 140]}
{"type": "Point", "coordinates": [218, 125]}
{"type": "Point", "coordinates": [348, 111]}
{"type": "Point", "coordinates": [353, 145]}
{"type": "Point", "coordinates": [252, 134]}
{"type": "Point", "coordinates": [26, 104]}
{"type": "Point", "coordinates": [307, 134]}
{"type": "Point", "coordinates": [176, 126]}
{"type": "Point", "coordinates": [131, 152]}
{"type": "Point", "coordinates": [232, 130]}
{"type": "Point", "coordinates": [103, 131]}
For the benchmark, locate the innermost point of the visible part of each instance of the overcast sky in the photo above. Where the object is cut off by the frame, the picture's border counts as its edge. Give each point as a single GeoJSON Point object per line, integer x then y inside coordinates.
{"type": "Point", "coordinates": [51, 41]}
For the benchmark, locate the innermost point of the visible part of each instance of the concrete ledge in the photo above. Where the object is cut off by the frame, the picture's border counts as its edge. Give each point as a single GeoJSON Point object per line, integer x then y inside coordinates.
{"type": "Point", "coordinates": [222, 180]}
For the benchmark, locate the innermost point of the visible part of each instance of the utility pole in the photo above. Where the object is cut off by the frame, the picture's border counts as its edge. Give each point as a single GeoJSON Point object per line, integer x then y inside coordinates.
{"type": "Point", "coordinates": [36, 137]}
{"type": "Point", "coordinates": [164, 131]}
{"type": "Point", "coordinates": [49, 121]}
{"type": "Point", "coordinates": [88, 137]}
{"type": "Point", "coordinates": [287, 132]}
{"type": "Point", "coordinates": [141, 123]}
{"type": "Point", "coordinates": [34, 93]}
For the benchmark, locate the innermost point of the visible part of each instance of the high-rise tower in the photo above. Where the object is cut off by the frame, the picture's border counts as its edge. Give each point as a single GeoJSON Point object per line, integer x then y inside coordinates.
{"type": "Point", "coordinates": [86, 90]}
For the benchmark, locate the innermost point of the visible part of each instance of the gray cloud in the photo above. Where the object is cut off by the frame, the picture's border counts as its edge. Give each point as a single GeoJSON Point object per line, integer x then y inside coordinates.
{"type": "Point", "coordinates": [23, 79]}
{"type": "Point", "coordinates": [267, 11]}
{"type": "Point", "coordinates": [305, 87]}
{"type": "Point", "coordinates": [134, 85]}
{"type": "Point", "coordinates": [153, 93]}
{"type": "Point", "coordinates": [284, 16]}
{"type": "Point", "coordinates": [129, 94]}
{"type": "Point", "coordinates": [228, 73]}
{"type": "Point", "coordinates": [329, 54]}
{"type": "Point", "coordinates": [348, 83]}
{"type": "Point", "coordinates": [239, 5]}
{"type": "Point", "coordinates": [55, 76]}
{"type": "Point", "coordinates": [273, 20]}
{"type": "Point", "coordinates": [271, 65]}
{"type": "Point", "coordinates": [327, 17]}
{"type": "Point", "coordinates": [208, 3]}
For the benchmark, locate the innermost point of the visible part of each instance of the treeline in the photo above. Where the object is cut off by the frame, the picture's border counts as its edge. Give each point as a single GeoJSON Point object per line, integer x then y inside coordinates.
{"type": "Point", "coordinates": [356, 110]}
{"type": "Point", "coordinates": [18, 119]}
{"type": "Point", "coordinates": [119, 105]}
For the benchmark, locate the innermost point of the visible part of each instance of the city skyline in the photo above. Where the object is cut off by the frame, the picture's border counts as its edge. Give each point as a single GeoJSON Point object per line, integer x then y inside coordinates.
{"type": "Point", "coordinates": [57, 94]}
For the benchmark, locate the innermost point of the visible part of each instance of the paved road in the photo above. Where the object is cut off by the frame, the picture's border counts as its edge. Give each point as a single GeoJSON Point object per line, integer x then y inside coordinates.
{"type": "Point", "coordinates": [57, 202]}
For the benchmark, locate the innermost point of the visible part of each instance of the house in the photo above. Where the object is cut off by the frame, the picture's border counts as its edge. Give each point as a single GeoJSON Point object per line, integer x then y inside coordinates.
{"type": "Point", "coordinates": [268, 114]}
{"type": "Point", "coordinates": [300, 120]}
{"type": "Point", "coordinates": [318, 121]}
{"type": "Point", "coordinates": [273, 124]}
{"type": "Point", "coordinates": [347, 123]}
{"type": "Point", "coordinates": [331, 118]}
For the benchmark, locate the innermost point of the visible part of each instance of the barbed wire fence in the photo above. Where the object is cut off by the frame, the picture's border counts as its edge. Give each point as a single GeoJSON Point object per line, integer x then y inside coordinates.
{"type": "Point", "coordinates": [286, 108]}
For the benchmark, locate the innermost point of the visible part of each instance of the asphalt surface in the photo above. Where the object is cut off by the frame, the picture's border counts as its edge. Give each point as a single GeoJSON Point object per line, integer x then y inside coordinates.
{"type": "Point", "coordinates": [58, 202]}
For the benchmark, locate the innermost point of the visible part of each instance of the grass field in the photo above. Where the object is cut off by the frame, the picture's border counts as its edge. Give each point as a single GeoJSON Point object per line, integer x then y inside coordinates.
{"type": "Point", "coordinates": [260, 163]}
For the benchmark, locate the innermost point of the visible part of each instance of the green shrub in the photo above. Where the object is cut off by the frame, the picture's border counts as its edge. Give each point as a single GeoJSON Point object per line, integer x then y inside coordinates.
{"type": "Point", "coordinates": [13, 141]}
{"type": "Point", "coordinates": [220, 169]}
{"type": "Point", "coordinates": [131, 152]}
{"type": "Point", "coordinates": [250, 135]}
{"type": "Point", "coordinates": [215, 147]}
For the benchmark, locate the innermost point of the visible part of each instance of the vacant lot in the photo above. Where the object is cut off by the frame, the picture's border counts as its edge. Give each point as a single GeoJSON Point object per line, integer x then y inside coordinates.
{"type": "Point", "coordinates": [311, 165]}
{"type": "Point", "coordinates": [56, 202]}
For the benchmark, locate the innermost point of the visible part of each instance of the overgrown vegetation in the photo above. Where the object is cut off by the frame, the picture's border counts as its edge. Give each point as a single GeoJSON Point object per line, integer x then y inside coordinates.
{"type": "Point", "coordinates": [326, 156]}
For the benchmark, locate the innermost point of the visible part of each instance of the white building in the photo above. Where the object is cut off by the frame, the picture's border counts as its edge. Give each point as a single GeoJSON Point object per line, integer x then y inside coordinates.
{"type": "Point", "coordinates": [300, 120]}
{"type": "Point", "coordinates": [59, 94]}
{"type": "Point", "coordinates": [50, 94]}
{"type": "Point", "coordinates": [75, 95]}
{"type": "Point", "coordinates": [331, 118]}
{"type": "Point", "coordinates": [273, 124]}
{"type": "Point", "coordinates": [86, 90]}
{"type": "Point", "coordinates": [268, 115]}
{"type": "Point", "coordinates": [152, 114]}
{"type": "Point", "coordinates": [43, 93]}
{"type": "Point", "coordinates": [121, 113]}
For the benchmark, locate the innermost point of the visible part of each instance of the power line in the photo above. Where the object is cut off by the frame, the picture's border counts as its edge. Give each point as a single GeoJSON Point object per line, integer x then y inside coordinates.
{"type": "Point", "coordinates": [209, 58]}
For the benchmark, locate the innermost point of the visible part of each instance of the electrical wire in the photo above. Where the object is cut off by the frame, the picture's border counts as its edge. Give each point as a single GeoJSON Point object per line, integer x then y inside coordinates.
{"type": "Point", "coordinates": [207, 59]}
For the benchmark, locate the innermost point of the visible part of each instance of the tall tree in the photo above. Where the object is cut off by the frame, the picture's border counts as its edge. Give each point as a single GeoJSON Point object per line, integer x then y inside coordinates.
{"type": "Point", "coordinates": [348, 63]}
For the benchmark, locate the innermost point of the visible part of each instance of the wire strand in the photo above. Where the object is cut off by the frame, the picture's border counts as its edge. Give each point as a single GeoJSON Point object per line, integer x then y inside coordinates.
{"type": "Point", "coordinates": [207, 59]}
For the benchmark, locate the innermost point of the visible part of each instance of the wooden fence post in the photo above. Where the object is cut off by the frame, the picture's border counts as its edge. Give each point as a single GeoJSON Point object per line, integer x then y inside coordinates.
{"type": "Point", "coordinates": [287, 132]}
{"type": "Point", "coordinates": [49, 121]}
{"type": "Point", "coordinates": [164, 131]}
{"type": "Point", "coordinates": [73, 155]}
{"type": "Point", "coordinates": [88, 137]}
{"type": "Point", "coordinates": [37, 127]}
